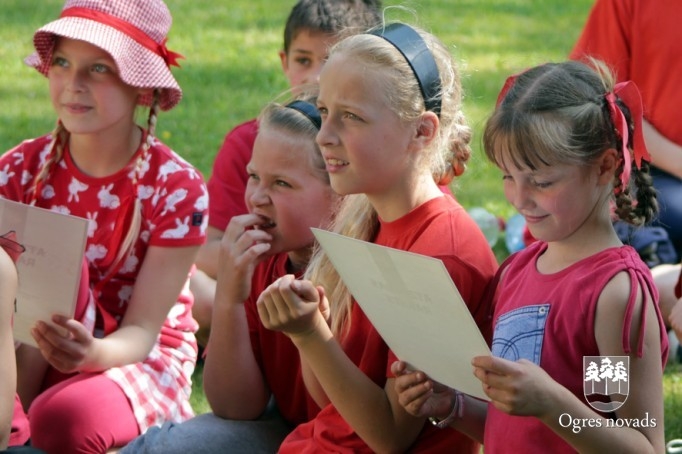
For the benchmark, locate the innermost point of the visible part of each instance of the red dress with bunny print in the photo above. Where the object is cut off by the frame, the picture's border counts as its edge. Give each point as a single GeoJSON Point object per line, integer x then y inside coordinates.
{"type": "Point", "coordinates": [174, 205]}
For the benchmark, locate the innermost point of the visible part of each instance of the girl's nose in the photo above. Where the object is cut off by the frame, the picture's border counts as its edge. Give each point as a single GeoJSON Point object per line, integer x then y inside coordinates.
{"type": "Point", "coordinates": [522, 198]}
{"type": "Point", "coordinates": [326, 135]}
{"type": "Point", "coordinates": [259, 196]}
{"type": "Point", "coordinates": [76, 81]}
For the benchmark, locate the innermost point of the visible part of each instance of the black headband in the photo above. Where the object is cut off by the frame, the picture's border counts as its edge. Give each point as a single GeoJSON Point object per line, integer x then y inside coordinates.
{"type": "Point", "coordinates": [308, 110]}
{"type": "Point", "coordinates": [419, 57]}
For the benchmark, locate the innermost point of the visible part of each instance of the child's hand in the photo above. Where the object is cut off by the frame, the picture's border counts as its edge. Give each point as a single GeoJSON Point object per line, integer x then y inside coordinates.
{"type": "Point", "coordinates": [419, 395]}
{"type": "Point", "coordinates": [67, 352]}
{"type": "Point", "coordinates": [325, 310]}
{"type": "Point", "coordinates": [243, 246]}
{"type": "Point", "coordinates": [291, 306]}
{"type": "Point", "coordinates": [515, 387]}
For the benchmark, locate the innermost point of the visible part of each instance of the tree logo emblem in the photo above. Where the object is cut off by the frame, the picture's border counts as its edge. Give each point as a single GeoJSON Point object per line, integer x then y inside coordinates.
{"type": "Point", "coordinates": [605, 384]}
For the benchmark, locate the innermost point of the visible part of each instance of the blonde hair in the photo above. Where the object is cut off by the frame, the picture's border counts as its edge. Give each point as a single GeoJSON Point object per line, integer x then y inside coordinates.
{"type": "Point", "coordinates": [356, 217]}
{"type": "Point", "coordinates": [285, 118]}
{"type": "Point", "coordinates": [136, 221]}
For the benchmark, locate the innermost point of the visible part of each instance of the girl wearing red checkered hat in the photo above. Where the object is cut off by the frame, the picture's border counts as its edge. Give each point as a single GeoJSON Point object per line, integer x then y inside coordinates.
{"type": "Point", "coordinates": [126, 361]}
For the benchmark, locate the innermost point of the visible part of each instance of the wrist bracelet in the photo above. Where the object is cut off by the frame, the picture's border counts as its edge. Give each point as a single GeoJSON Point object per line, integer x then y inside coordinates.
{"type": "Point", "coordinates": [456, 412]}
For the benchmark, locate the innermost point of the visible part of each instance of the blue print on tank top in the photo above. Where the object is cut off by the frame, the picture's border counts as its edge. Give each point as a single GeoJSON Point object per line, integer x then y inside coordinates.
{"type": "Point", "coordinates": [519, 333]}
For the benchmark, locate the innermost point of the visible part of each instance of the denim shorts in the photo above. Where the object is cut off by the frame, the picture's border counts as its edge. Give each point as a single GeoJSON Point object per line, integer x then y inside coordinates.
{"type": "Point", "coordinates": [519, 333]}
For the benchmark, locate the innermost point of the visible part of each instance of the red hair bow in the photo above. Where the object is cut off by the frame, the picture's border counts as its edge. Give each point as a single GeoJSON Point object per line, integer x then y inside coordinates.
{"type": "Point", "coordinates": [505, 88]}
{"type": "Point", "coordinates": [629, 93]}
{"type": "Point", "coordinates": [170, 57]}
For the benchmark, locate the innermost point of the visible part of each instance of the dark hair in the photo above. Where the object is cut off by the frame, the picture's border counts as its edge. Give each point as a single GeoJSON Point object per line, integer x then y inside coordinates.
{"type": "Point", "coordinates": [557, 113]}
{"type": "Point", "coordinates": [331, 16]}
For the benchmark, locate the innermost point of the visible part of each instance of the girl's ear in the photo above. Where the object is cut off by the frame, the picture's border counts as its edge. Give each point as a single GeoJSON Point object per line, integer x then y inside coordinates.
{"type": "Point", "coordinates": [427, 129]}
{"type": "Point", "coordinates": [284, 60]}
{"type": "Point", "coordinates": [608, 165]}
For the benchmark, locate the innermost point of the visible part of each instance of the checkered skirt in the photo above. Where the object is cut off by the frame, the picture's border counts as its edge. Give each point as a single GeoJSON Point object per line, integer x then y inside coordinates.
{"type": "Point", "coordinates": [159, 387]}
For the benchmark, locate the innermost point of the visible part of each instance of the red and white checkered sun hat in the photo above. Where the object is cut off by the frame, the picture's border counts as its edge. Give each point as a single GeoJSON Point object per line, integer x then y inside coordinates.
{"type": "Point", "coordinates": [133, 32]}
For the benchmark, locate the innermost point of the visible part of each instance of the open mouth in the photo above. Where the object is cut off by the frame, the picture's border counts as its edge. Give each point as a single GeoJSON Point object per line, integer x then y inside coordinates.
{"type": "Point", "coordinates": [267, 224]}
{"type": "Point", "coordinates": [337, 162]}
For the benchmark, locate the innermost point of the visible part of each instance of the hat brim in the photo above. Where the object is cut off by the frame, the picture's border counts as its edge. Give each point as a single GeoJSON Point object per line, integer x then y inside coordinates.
{"type": "Point", "coordinates": [137, 65]}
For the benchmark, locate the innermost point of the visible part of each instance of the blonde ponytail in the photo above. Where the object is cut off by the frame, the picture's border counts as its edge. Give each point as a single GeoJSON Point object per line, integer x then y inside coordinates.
{"type": "Point", "coordinates": [138, 169]}
{"type": "Point", "coordinates": [356, 218]}
{"type": "Point", "coordinates": [60, 137]}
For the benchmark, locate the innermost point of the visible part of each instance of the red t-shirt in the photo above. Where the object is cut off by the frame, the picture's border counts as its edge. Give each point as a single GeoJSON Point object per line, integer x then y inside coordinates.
{"type": "Point", "coordinates": [439, 228]}
{"type": "Point", "coordinates": [549, 319]}
{"type": "Point", "coordinates": [275, 354]}
{"type": "Point", "coordinates": [227, 184]}
{"type": "Point", "coordinates": [174, 202]}
{"type": "Point", "coordinates": [642, 42]}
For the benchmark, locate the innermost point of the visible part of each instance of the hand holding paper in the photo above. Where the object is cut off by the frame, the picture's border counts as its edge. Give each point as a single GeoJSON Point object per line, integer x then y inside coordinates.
{"type": "Point", "coordinates": [414, 305]}
{"type": "Point", "coordinates": [50, 268]}
{"type": "Point", "coordinates": [418, 394]}
{"type": "Point", "coordinates": [67, 349]}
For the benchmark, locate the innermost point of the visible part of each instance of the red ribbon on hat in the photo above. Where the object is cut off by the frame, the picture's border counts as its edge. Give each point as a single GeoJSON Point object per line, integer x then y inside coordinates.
{"type": "Point", "coordinates": [170, 57]}
{"type": "Point", "coordinates": [629, 93]}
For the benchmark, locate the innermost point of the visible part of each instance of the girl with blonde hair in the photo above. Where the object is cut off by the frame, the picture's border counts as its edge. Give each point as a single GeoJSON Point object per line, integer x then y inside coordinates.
{"type": "Point", "coordinates": [392, 129]}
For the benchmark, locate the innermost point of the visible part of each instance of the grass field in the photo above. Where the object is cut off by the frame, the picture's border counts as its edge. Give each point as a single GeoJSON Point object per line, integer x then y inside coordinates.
{"type": "Point", "coordinates": [231, 69]}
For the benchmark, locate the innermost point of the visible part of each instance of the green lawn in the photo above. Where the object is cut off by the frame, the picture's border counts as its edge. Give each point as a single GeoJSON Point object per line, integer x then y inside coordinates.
{"type": "Point", "coordinates": [232, 69]}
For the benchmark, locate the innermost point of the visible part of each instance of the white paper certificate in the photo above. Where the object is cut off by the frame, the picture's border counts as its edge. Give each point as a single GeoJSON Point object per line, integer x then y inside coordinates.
{"type": "Point", "coordinates": [414, 305]}
{"type": "Point", "coordinates": [50, 268]}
